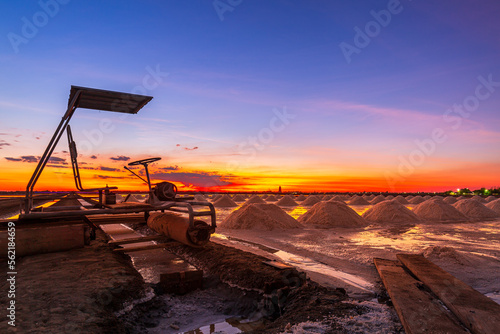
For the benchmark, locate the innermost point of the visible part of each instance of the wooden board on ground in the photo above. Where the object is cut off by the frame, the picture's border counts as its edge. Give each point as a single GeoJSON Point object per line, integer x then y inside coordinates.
{"type": "Point", "coordinates": [476, 311]}
{"type": "Point", "coordinates": [418, 311]}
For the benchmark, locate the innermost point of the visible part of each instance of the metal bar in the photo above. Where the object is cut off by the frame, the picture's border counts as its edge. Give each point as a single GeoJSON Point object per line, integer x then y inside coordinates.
{"type": "Point", "coordinates": [136, 240]}
{"type": "Point", "coordinates": [48, 152]}
{"type": "Point", "coordinates": [135, 174]}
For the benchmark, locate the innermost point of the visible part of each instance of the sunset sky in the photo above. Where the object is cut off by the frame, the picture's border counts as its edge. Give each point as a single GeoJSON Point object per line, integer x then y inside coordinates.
{"type": "Point", "coordinates": [252, 95]}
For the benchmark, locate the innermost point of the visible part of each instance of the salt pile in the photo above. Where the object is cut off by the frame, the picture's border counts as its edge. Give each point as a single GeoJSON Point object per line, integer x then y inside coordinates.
{"type": "Point", "coordinates": [390, 212]}
{"type": "Point", "coordinates": [300, 198]}
{"type": "Point", "coordinates": [265, 217]}
{"type": "Point", "coordinates": [401, 199]}
{"type": "Point", "coordinates": [326, 198]}
{"type": "Point", "coordinates": [417, 200]}
{"type": "Point", "coordinates": [390, 197]}
{"type": "Point", "coordinates": [255, 200]}
{"type": "Point", "coordinates": [450, 200]}
{"type": "Point", "coordinates": [239, 198]}
{"type": "Point", "coordinates": [286, 201]}
{"type": "Point", "coordinates": [358, 200]}
{"type": "Point", "coordinates": [377, 199]}
{"type": "Point", "coordinates": [311, 200]}
{"type": "Point", "coordinates": [494, 205]}
{"type": "Point", "coordinates": [332, 214]}
{"type": "Point", "coordinates": [479, 199]}
{"type": "Point", "coordinates": [490, 198]}
{"type": "Point", "coordinates": [199, 198]}
{"type": "Point", "coordinates": [426, 197]}
{"type": "Point", "coordinates": [224, 202]}
{"type": "Point", "coordinates": [337, 198]}
{"type": "Point", "coordinates": [133, 198]}
{"type": "Point", "coordinates": [215, 197]}
{"type": "Point", "coordinates": [473, 209]}
{"type": "Point", "coordinates": [409, 197]}
{"type": "Point", "coordinates": [265, 196]}
{"type": "Point", "coordinates": [271, 198]}
{"type": "Point", "coordinates": [436, 210]}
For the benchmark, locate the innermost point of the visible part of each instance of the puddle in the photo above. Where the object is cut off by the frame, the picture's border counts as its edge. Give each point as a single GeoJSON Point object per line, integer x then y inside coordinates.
{"type": "Point", "coordinates": [229, 326]}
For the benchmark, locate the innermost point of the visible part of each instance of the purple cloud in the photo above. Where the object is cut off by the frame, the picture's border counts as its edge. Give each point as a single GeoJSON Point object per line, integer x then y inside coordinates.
{"type": "Point", "coordinates": [120, 158]}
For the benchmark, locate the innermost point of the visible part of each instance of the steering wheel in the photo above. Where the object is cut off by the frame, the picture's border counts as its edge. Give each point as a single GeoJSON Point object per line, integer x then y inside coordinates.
{"type": "Point", "coordinates": [144, 162]}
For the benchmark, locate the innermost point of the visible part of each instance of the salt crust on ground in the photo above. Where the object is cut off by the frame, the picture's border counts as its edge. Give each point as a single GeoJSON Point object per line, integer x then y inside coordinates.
{"type": "Point", "coordinates": [286, 201]}
{"type": "Point", "coordinates": [224, 202]}
{"type": "Point", "coordinates": [436, 210]}
{"type": "Point", "coordinates": [473, 209]}
{"type": "Point", "coordinates": [481, 272]}
{"type": "Point", "coordinates": [332, 214]}
{"type": "Point", "coordinates": [311, 200]}
{"type": "Point", "coordinates": [390, 212]}
{"type": "Point", "coordinates": [494, 205]}
{"type": "Point", "coordinates": [358, 200]}
{"type": "Point", "coordinates": [265, 217]}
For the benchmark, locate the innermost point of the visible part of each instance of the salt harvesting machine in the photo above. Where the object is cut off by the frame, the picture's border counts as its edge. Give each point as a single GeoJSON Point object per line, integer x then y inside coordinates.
{"type": "Point", "coordinates": [178, 218]}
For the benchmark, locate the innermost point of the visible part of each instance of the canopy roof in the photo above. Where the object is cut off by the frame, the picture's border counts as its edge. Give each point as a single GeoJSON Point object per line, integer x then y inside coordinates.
{"type": "Point", "coordinates": [107, 100]}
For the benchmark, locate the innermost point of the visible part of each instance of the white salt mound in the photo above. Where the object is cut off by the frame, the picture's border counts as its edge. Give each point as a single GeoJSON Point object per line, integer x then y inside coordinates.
{"type": "Point", "coordinates": [199, 198]}
{"type": "Point", "coordinates": [473, 209]}
{"type": "Point", "coordinates": [401, 199]}
{"type": "Point", "coordinates": [271, 198]}
{"type": "Point", "coordinates": [311, 200]}
{"type": "Point", "coordinates": [490, 198]}
{"type": "Point", "coordinates": [300, 198]}
{"type": "Point", "coordinates": [215, 197]}
{"type": "Point", "coordinates": [409, 197]}
{"type": "Point", "coordinates": [390, 197]}
{"type": "Point", "coordinates": [265, 196]}
{"type": "Point", "coordinates": [224, 202]}
{"type": "Point", "coordinates": [332, 214]}
{"type": "Point", "coordinates": [336, 198]}
{"type": "Point", "coordinates": [326, 198]}
{"type": "Point", "coordinates": [436, 210]}
{"type": "Point", "coordinates": [377, 199]}
{"type": "Point", "coordinates": [426, 197]}
{"type": "Point", "coordinates": [417, 200]}
{"type": "Point", "coordinates": [286, 201]}
{"type": "Point", "coordinates": [494, 205]}
{"type": "Point", "coordinates": [390, 212]}
{"type": "Point", "coordinates": [479, 199]}
{"type": "Point", "coordinates": [255, 200]}
{"type": "Point", "coordinates": [239, 198]}
{"type": "Point", "coordinates": [450, 200]}
{"type": "Point", "coordinates": [358, 200]}
{"type": "Point", "coordinates": [265, 217]}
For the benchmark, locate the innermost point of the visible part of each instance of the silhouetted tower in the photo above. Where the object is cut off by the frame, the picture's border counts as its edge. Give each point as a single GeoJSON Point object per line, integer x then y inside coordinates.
{"type": "Point", "coordinates": [279, 190]}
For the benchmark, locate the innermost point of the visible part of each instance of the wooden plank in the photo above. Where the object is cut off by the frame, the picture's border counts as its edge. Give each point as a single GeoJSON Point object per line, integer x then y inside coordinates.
{"type": "Point", "coordinates": [135, 240]}
{"type": "Point", "coordinates": [141, 248]}
{"type": "Point", "coordinates": [418, 311]}
{"type": "Point", "coordinates": [477, 312]}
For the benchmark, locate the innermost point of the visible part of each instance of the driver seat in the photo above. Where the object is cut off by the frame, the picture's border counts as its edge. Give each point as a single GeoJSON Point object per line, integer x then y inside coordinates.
{"type": "Point", "coordinates": [76, 172]}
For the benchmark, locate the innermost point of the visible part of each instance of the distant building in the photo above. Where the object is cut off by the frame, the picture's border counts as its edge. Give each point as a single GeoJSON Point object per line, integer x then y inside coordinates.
{"type": "Point", "coordinates": [279, 190]}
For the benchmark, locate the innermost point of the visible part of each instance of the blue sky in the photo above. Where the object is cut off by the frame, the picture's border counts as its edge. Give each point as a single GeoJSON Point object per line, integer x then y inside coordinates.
{"type": "Point", "coordinates": [354, 119]}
